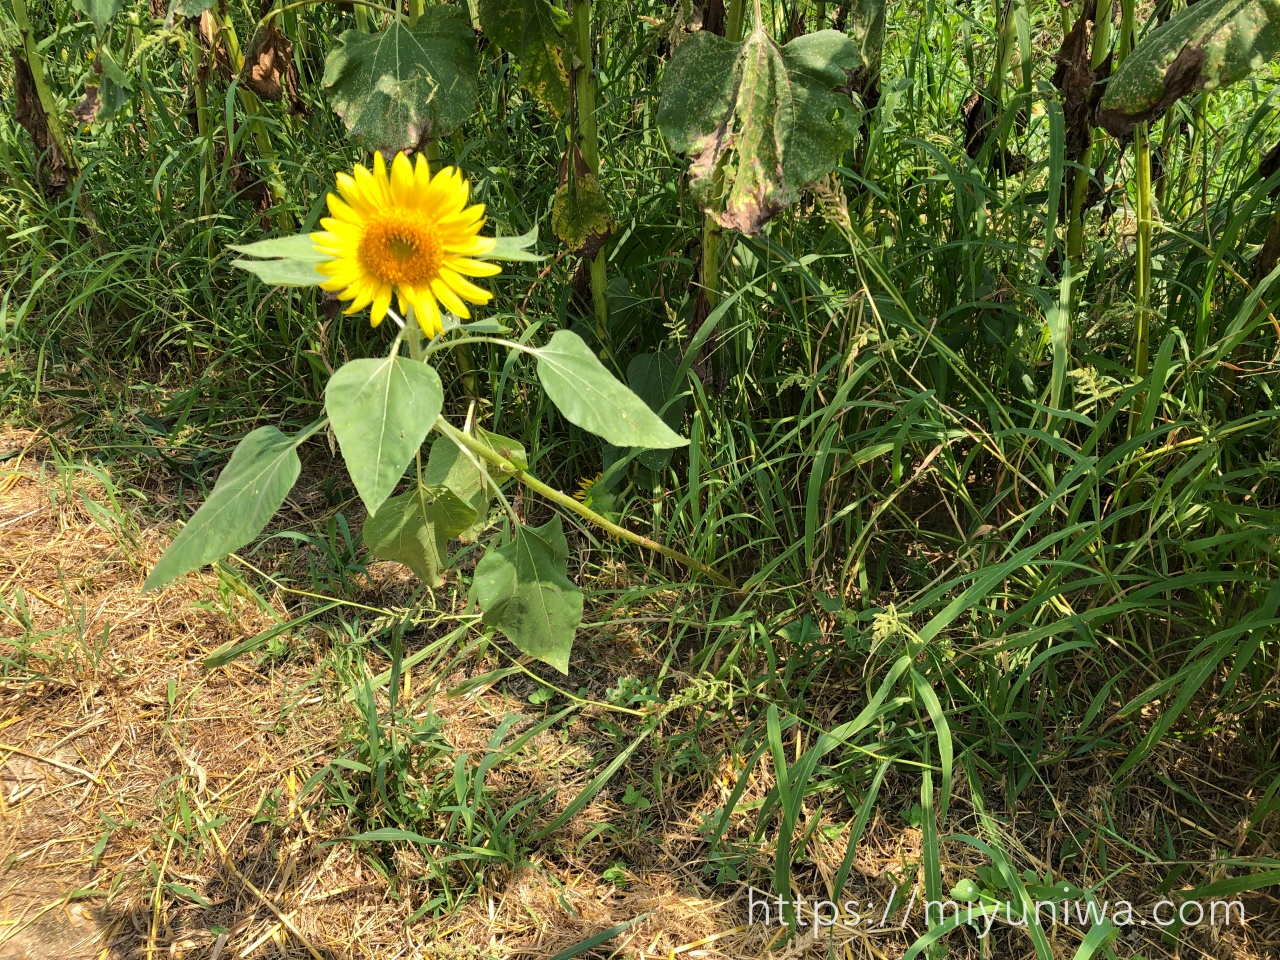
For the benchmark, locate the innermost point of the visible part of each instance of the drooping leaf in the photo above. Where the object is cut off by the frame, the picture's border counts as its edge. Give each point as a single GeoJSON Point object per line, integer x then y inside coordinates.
{"type": "Point", "coordinates": [100, 12]}
{"type": "Point", "coordinates": [450, 469]}
{"type": "Point", "coordinates": [262, 470]}
{"type": "Point", "coordinates": [269, 69]}
{"type": "Point", "coordinates": [592, 398]}
{"type": "Point", "coordinates": [104, 100]}
{"type": "Point", "coordinates": [1207, 46]}
{"type": "Point", "coordinates": [288, 261]}
{"type": "Point", "coordinates": [381, 411]}
{"type": "Point", "coordinates": [415, 529]}
{"type": "Point", "coordinates": [653, 378]}
{"type": "Point", "coordinates": [523, 589]}
{"type": "Point", "coordinates": [395, 87]}
{"type": "Point", "coordinates": [760, 123]}
{"type": "Point", "coordinates": [534, 32]}
{"type": "Point", "coordinates": [582, 216]}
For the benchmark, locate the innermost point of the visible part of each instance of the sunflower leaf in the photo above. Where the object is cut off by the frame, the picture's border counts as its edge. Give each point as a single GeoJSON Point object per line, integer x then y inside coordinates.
{"type": "Point", "coordinates": [653, 378]}
{"type": "Point", "coordinates": [405, 83]}
{"type": "Point", "coordinates": [415, 529]}
{"type": "Point", "coordinates": [590, 396]}
{"type": "Point", "coordinates": [381, 411]}
{"type": "Point", "coordinates": [262, 470]}
{"type": "Point", "coordinates": [524, 590]}
{"type": "Point", "coordinates": [1207, 46]}
{"type": "Point", "coordinates": [534, 31]}
{"type": "Point", "coordinates": [513, 248]}
{"type": "Point", "coordinates": [287, 261]}
{"type": "Point", "coordinates": [760, 122]}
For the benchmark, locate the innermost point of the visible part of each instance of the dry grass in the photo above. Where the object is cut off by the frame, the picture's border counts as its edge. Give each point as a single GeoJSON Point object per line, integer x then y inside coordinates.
{"type": "Point", "coordinates": [111, 728]}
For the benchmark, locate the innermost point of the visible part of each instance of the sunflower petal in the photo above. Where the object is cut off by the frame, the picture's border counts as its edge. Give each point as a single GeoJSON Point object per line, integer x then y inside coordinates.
{"type": "Point", "coordinates": [452, 302]}
{"type": "Point", "coordinates": [472, 268]}
{"type": "Point", "coordinates": [463, 287]}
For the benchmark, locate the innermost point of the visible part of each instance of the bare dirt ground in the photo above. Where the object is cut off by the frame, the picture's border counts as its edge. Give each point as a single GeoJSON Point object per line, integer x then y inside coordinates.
{"type": "Point", "coordinates": [151, 807]}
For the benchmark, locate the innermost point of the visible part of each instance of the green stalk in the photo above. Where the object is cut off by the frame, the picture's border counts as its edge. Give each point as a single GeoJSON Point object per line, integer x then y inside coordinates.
{"type": "Point", "coordinates": [495, 459]}
{"type": "Point", "coordinates": [261, 135]}
{"type": "Point", "coordinates": [30, 54]}
{"type": "Point", "coordinates": [588, 133]}
{"type": "Point", "coordinates": [709, 271]}
{"type": "Point", "coordinates": [1080, 182]}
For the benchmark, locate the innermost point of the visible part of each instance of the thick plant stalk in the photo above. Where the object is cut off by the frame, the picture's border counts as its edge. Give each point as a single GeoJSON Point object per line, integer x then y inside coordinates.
{"type": "Point", "coordinates": [261, 135]}
{"type": "Point", "coordinates": [588, 134]}
{"type": "Point", "coordinates": [1080, 182]}
{"type": "Point", "coordinates": [1142, 247]}
{"type": "Point", "coordinates": [709, 271]}
{"type": "Point", "coordinates": [29, 55]}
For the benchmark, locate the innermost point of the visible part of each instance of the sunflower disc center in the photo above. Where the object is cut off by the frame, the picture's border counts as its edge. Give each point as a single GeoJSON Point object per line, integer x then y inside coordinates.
{"type": "Point", "coordinates": [401, 249]}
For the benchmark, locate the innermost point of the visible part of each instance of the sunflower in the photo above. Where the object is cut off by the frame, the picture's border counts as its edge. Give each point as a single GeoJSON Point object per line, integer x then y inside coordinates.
{"type": "Point", "coordinates": [407, 233]}
{"type": "Point", "coordinates": [585, 485]}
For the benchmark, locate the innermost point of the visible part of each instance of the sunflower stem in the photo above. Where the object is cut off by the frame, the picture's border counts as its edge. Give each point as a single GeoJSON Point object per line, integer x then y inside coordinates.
{"type": "Point", "coordinates": [496, 459]}
{"type": "Point", "coordinates": [588, 136]}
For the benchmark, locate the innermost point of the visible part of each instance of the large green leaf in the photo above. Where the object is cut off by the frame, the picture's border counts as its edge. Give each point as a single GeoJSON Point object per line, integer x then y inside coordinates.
{"type": "Point", "coordinates": [523, 589]}
{"type": "Point", "coordinates": [287, 261]}
{"type": "Point", "coordinates": [653, 378]}
{"type": "Point", "coordinates": [415, 529]}
{"type": "Point", "coordinates": [1207, 46]}
{"type": "Point", "coordinates": [534, 32]}
{"type": "Point", "coordinates": [591, 397]}
{"type": "Point", "coordinates": [262, 470]}
{"type": "Point", "coordinates": [381, 411]}
{"type": "Point", "coordinates": [452, 469]}
{"type": "Point", "coordinates": [99, 11]}
{"type": "Point", "coordinates": [398, 86]}
{"type": "Point", "coordinates": [760, 123]}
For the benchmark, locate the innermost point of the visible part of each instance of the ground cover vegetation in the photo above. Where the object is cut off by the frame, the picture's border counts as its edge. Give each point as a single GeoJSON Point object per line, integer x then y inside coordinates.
{"type": "Point", "coordinates": [840, 465]}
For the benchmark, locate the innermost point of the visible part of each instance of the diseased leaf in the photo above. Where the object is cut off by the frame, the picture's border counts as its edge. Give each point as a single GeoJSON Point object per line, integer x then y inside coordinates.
{"type": "Point", "coordinates": [759, 122]}
{"type": "Point", "coordinates": [523, 589]}
{"type": "Point", "coordinates": [398, 86]}
{"type": "Point", "coordinates": [591, 397]}
{"type": "Point", "coordinates": [534, 32]}
{"type": "Point", "coordinates": [262, 470]}
{"type": "Point", "coordinates": [381, 411]}
{"type": "Point", "coordinates": [1207, 46]}
{"type": "Point", "coordinates": [582, 216]}
{"type": "Point", "coordinates": [415, 529]}
{"type": "Point", "coordinates": [187, 8]}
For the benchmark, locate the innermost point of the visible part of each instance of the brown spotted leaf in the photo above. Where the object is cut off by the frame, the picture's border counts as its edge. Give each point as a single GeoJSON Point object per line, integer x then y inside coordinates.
{"type": "Point", "coordinates": [1207, 46]}
{"type": "Point", "coordinates": [534, 32]}
{"type": "Point", "coordinates": [405, 83]}
{"type": "Point", "coordinates": [759, 122]}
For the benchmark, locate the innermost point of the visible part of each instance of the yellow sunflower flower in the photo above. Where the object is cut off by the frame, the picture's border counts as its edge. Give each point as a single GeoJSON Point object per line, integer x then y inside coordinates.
{"type": "Point", "coordinates": [585, 485]}
{"type": "Point", "coordinates": [406, 233]}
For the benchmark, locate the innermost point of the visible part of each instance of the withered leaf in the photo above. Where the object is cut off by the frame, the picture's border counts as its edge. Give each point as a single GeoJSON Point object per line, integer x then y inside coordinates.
{"type": "Point", "coordinates": [759, 122]}
{"type": "Point", "coordinates": [269, 70]}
